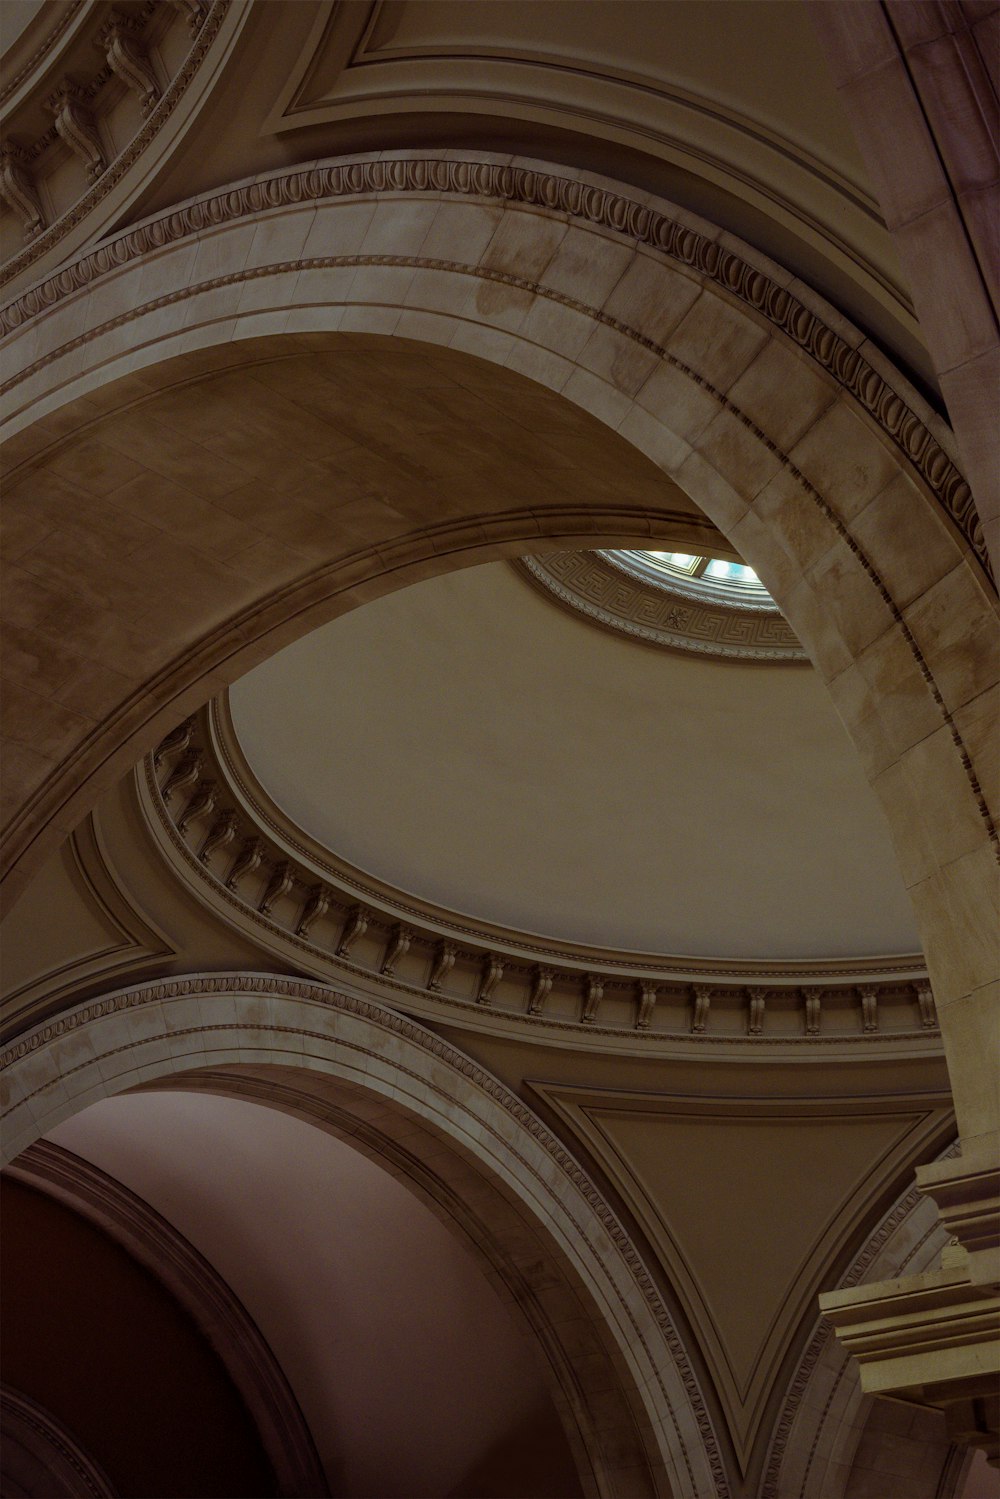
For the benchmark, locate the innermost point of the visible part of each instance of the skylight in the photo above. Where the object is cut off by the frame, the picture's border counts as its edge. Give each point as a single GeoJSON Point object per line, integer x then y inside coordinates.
{"type": "Point", "coordinates": [715, 577]}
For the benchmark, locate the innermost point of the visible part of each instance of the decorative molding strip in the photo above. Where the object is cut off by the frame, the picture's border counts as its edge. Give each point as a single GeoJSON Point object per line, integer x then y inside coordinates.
{"type": "Point", "coordinates": [13, 82]}
{"type": "Point", "coordinates": [35, 1448]}
{"type": "Point", "coordinates": [590, 584]}
{"type": "Point", "coordinates": [910, 1202]}
{"type": "Point", "coordinates": [600, 207]}
{"type": "Point", "coordinates": [390, 1021]}
{"type": "Point", "coordinates": [264, 875]}
{"type": "Point", "coordinates": [210, 1301]}
{"type": "Point", "coordinates": [129, 61]}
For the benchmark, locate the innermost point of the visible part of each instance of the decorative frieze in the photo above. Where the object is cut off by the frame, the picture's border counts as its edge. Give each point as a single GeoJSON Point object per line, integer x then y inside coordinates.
{"type": "Point", "coordinates": [542, 984]}
{"type": "Point", "coordinates": [126, 55]}
{"type": "Point", "coordinates": [641, 222]}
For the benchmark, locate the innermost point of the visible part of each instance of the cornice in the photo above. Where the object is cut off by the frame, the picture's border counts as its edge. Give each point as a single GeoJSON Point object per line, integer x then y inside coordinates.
{"type": "Point", "coordinates": [243, 859]}
{"type": "Point", "coordinates": [215, 1308]}
{"type": "Point", "coordinates": [130, 62]}
{"type": "Point", "coordinates": [591, 584]}
{"type": "Point", "coordinates": [602, 207]}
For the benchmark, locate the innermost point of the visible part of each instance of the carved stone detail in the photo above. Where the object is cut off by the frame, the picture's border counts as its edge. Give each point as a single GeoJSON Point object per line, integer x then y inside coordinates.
{"type": "Point", "coordinates": [869, 1009]}
{"type": "Point", "coordinates": [397, 947]}
{"type": "Point", "coordinates": [75, 124]}
{"type": "Point", "coordinates": [492, 973]}
{"type": "Point", "coordinates": [595, 585]}
{"type": "Point", "coordinates": [925, 1002]}
{"type": "Point", "coordinates": [281, 881]}
{"type": "Point", "coordinates": [184, 773]}
{"type": "Point", "coordinates": [128, 58]}
{"type": "Point", "coordinates": [444, 962]}
{"type": "Point", "coordinates": [354, 927]}
{"type": "Point", "coordinates": [247, 861]}
{"type": "Point", "coordinates": [593, 994]}
{"type": "Point", "coordinates": [604, 208]}
{"type": "Point", "coordinates": [195, 11]}
{"type": "Point", "coordinates": [206, 21]}
{"type": "Point", "coordinates": [755, 1019]}
{"type": "Point", "coordinates": [814, 1005]}
{"type": "Point", "coordinates": [220, 835]}
{"type": "Point", "coordinates": [535, 970]}
{"type": "Point", "coordinates": [541, 987]}
{"type": "Point", "coordinates": [18, 189]}
{"type": "Point", "coordinates": [317, 904]}
{"type": "Point", "coordinates": [177, 740]}
{"type": "Point", "coordinates": [647, 1004]}
{"type": "Point", "coordinates": [202, 804]}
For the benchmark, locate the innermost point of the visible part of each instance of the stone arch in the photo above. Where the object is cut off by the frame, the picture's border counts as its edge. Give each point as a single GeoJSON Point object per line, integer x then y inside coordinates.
{"type": "Point", "coordinates": [622, 1378]}
{"type": "Point", "coordinates": [796, 438]}
{"type": "Point", "coordinates": [825, 1415]}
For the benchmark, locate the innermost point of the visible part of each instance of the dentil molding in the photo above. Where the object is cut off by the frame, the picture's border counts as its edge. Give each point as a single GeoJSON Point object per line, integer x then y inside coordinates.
{"type": "Point", "coordinates": [604, 208]}
{"type": "Point", "coordinates": [255, 869]}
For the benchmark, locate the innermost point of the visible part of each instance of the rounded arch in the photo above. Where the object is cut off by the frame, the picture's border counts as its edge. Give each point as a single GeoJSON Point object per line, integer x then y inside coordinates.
{"type": "Point", "coordinates": [812, 455]}
{"type": "Point", "coordinates": [623, 1381]}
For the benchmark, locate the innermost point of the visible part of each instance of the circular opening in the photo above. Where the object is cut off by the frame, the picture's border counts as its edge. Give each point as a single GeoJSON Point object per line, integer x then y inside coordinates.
{"type": "Point", "coordinates": [699, 577]}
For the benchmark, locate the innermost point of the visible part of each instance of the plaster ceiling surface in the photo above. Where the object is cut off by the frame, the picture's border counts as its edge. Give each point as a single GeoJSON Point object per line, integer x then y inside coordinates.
{"type": "Point", "coordinates": [476, 745]}
{"type": "Point", "coordinates": [406, 1364]}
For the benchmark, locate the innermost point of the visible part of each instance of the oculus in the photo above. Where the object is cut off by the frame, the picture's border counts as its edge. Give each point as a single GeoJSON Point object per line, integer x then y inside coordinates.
{"type": "Point", "coordinates": [708, 605]}
{"type": "Point", "coordinates": [711, 578]}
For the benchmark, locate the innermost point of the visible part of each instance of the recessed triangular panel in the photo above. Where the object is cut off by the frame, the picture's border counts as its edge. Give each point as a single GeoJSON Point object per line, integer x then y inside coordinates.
{"type": "Point", "coordinates": [746, 1207]}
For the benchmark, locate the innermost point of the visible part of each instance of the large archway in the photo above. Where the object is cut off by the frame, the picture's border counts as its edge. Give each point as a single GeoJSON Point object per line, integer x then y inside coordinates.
{"type": "Point", "coordinates": [622, 1380]}
{"type": "Point", "coordinates": [801, 445]}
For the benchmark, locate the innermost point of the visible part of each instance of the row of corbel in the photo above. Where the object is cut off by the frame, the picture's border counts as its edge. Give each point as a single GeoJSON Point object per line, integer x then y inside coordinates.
{"type": "Point", "coordinates": [127, 57]}
{"type": "Point", "coordinates": [212, 833]}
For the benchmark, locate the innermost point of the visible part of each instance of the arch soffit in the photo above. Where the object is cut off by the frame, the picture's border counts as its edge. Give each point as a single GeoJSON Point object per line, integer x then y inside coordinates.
{"type": "Point", "coordinates": [794, 436]}
{"type": "Point", "coordinates": [200, 1289]}
{"type": "Point", "coordinates": [156, 1033]}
